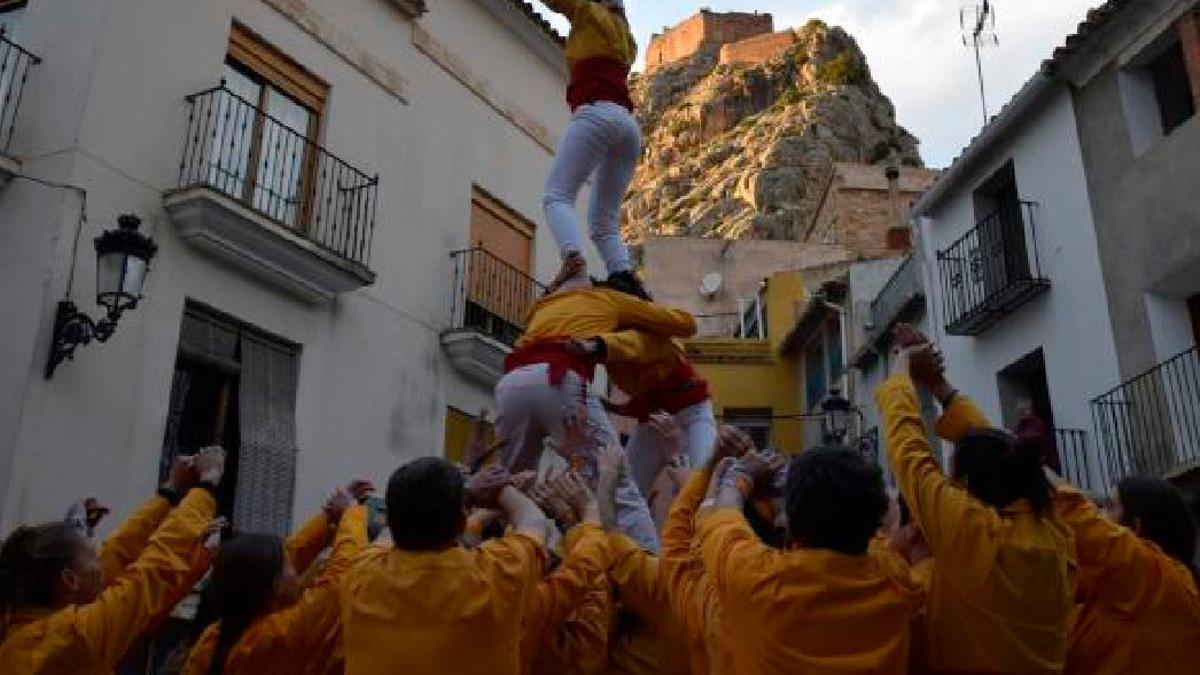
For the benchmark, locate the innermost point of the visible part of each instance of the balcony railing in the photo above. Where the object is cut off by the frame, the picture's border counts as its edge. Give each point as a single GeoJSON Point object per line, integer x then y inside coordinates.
{"type": "Point", "coordinates": [491, 297]}
{"type": "Point", "coordinates": [991, 271]}
{"type": "Point", "coordinates": [15, 62]}
{"type": "Point", "coordinates": [259, 161]}
{"type": "Point", "coordinates": [1151, 424]}
{"type": "Point", "coordinates": [1072, 451]}
{"type": "Point", "coordinates": [898, 298]}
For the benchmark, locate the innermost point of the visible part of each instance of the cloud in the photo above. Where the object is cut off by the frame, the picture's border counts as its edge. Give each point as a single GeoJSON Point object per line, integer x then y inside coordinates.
{"type": "Point", "coordinates": [916, 52]}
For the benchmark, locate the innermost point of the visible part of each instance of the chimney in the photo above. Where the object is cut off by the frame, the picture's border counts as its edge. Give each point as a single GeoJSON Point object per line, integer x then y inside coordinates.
{"type": "Point", "coordinates": [899, 238]}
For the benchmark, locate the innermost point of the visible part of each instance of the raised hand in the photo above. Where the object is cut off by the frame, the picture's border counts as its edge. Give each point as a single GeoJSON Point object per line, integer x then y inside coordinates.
{"type": "Point", "coordinates": [571, 489]}
{"type": "Point", "coordinates": [731, 442]}
{"type": "Point", "coordinates": [361, 490]}
{"type": "Point", "coordinates": [336, 504]}
{"type": "Point", "coordinates": [483, 489]}
{"type": "Point", "coordinates": [669, 433]}
{"type": "Point", "coordinates": [524, 481]}
{"type": "Point", "coordinates": [211, 537]}
{"type": "Point", "coordinates": [183, 475]}
{"type": "Point", "coordinates": [210, 464]}
{"type": "Point", "coordinates": [95, 512]}
{"type": "Point", "coordinates": [761, 467]}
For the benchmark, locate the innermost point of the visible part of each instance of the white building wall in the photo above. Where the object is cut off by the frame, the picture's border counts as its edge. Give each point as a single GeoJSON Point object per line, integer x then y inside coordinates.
{"type": "Point", "coordinates": [106, 111]}
{"type": "Point", "coordinates": [1070, 322]}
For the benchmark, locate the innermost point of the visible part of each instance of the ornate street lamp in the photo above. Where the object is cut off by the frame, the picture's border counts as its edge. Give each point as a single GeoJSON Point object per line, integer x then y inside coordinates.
{"type": "Point", "coordinates": [838, 418]}
{"type": "Point", "coordinates": [122, 262]}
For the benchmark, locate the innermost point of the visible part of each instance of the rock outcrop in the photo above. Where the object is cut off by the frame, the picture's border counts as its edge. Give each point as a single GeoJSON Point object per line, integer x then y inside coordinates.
{"type": "Point", "coordinates": [744, 150]}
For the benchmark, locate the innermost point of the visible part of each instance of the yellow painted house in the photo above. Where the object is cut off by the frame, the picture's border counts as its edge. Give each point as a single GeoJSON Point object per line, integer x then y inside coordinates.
{"type": "Point", "coordinates": [754, 385]}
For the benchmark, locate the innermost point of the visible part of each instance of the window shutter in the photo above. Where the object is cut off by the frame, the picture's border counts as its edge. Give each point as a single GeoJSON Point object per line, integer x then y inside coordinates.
{"type": "Point", "coordinates": [267, 456]}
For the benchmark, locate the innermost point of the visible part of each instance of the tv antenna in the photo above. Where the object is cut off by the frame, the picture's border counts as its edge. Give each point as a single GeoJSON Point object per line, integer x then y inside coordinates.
{"type": "Point", "coordinates": [978, 24]}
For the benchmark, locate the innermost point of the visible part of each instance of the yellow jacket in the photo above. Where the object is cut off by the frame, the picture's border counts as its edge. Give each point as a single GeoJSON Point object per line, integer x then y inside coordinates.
{"type": "Point", "coordinates": [595, 31]}
{"type": "Point", "coordinates": [433, 612]}
{"type": "Point", "coordinates": [589, 312]}
{"type": "Point", "coordinates": [567, 624]}
{"type": "Point", "coordinates": [1141, 610]}
{"type": "Point", "coordinates": [93, 638]}
{"type": "Point", "coordinates": [637, 361]}
{"type": "Point", "coordinates": [690, 592]}
{"type": "Point", "coordinates": [303, 638]}
{"type": "Point", "coordinates": [654, 641]}
{"type": "Point", "coordinates": [808, 610]}
{"type": "Point", "coordinates": [1003, 581]}
{"type": "Point", "coordinates": [129, 540]}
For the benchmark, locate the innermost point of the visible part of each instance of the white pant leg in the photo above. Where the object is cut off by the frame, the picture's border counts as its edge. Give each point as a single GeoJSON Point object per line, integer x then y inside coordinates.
{"type": "Point", "coordinates": [583, 147]}
{"type": "Point", "coordinates": [645, 456]}
{"type": "Point", "coordinates": [699, 431]}
{"type": "Point", "coordinates": [612, 182]}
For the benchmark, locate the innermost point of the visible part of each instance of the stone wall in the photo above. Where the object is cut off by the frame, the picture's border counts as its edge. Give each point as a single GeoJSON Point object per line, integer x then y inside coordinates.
{"type": "Point", "coordinates": [856, 211]}
{"type": "Point", "coordinates": [758, 49]}
{"type": "Point", "coordinates": [705, 31]}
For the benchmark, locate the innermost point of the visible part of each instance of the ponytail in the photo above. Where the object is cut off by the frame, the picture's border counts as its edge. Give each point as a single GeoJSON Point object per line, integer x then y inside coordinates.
{"type": "Point", "coordinates": [244, 574]}
{"type": "Point", "coordinates": [1000, 469]}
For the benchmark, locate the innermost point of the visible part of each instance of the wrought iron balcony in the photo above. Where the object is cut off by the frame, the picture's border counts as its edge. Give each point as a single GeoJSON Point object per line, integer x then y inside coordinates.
{"type": "Point", "coordinates": [898, 300]}
{"type": "Point", "coordinates": [487, 312]}
{"type": "Point", "coordinates": [261, 193]}
{"type": "Point", "coordinates": [1073, 457]}
{"type": "Point", "coordinates": [1151, 423]}
{"type": "Point", "coordinates": [15, 64]}
{"type": "Point", "coordinates": [991, 271]}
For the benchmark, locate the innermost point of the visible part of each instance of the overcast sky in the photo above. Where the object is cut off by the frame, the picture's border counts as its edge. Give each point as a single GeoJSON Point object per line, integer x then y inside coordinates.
{"type": "Point", "coordinates": [915, 51]}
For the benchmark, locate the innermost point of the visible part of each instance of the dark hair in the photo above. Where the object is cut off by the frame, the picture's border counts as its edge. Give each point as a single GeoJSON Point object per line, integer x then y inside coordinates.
{"type": "Point", "coordinates": [1163, 515]}
{"type": "Point", "coordinates": [425, 504]}
{"type": "Point", "coordinates": [835, 499]}
{"type": "Point", "coordinates": [244, 573]}
{"type": "Point", "coordinates": [1000, 468]}
{"type": "Point", "coordinates": [31, 560]}
{"type": "Point", "coordinates": [769, 534]}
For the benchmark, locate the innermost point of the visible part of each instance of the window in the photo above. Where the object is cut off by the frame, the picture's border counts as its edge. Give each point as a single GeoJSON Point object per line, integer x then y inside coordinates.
{"type": "Point", "coordinates": [12, 14]}
{"type": "Point", "coordinates": [1172, 90]}
{"type": "Point", "coordinates": [460, 427]}
{"type": "Point", "coordinates": [1156, 92]}
{"type": "Point", "coordinates": [236, 387]}
{"type": "Point", "coordinates": [753, 322]}
{"type": "Point", "coordinates": [756, 422]}
{"type": "Point", "coordinates": [271, 127]}
{"type": "Point", "coordinates": [816, 378]}
{"type": "Point", "coordinates": [500, 289]}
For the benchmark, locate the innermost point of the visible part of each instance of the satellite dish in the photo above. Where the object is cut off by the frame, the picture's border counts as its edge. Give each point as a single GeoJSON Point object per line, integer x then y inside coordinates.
{"type": "Point", "coordinates": [711, 283]}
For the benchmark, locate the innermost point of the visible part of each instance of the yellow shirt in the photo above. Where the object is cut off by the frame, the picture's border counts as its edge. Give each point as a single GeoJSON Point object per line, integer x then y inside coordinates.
{"type": "Point", "coordinates": [303, 638]}
{"type": "Point", "coordinates": [93, 639]}
{"type": "Point", "coordinates": [1003, 581]}
{"type": "Point", "coordinates": [590, 312]}
{"type": "Point", "coordinates": [129, 540]}
{"type": "Point", "coordinates": [807, 610]}
{"type": "Point", "coordinates": [566, 622]}
{"type": "Point", "coordinates": [434, 612]}
{"type": "Point", "coordinates": [690, 592]}
{"type": "Point", "coordinates": [595, 31]}
{"type": "Point", "coordinates": [1141, 611]}
{"type": "Point", "coordinates": [654, 641]}
{"type": "Point", "coordinates": [638, 361]}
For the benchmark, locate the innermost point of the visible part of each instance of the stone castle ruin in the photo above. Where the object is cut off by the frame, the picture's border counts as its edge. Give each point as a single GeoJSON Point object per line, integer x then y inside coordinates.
{"type": "Point", "coordinates": [728, 38]}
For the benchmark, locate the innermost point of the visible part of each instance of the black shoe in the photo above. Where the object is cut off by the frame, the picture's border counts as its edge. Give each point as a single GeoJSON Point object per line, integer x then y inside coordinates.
{"type": "Point", "coordinates": [628, 282]}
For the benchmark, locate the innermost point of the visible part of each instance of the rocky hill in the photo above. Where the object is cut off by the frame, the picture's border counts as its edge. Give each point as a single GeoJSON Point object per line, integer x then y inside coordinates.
{"type": "Point", "coordinates": [744, 150]}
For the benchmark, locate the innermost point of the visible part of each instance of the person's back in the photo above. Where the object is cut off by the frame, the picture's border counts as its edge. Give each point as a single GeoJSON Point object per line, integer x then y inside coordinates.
{"type": "Point", "coordinates": [1003, 580]}
{"type": "Point", "coordinates": [1140, 606]}
{"type": "Point", "coordinates": [828, 604]}
{"type": "Point", "coordinates": [430, 605]}
{"type": "Point", "coordinates": [588, 312]}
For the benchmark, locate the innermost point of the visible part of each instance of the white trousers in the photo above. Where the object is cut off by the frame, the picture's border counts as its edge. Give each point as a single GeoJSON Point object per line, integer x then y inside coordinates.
{"type": "Point", "coordinates": [602, 138]}
{"type": "Point", "coordinates": [647, 457]}
{"type": "Point", "coordinates": [531, 410]}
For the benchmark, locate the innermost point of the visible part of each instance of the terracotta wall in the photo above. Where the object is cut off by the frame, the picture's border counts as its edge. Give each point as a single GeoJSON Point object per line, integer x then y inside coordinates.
{"type": "Point", "coordinates": [758, 49]}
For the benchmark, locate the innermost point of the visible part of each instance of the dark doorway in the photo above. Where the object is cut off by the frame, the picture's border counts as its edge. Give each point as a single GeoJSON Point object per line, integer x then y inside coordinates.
{"type": "Point", "coordinates": [1194, 311]}
{"type": "Point", "coordinates": [1025, 402]}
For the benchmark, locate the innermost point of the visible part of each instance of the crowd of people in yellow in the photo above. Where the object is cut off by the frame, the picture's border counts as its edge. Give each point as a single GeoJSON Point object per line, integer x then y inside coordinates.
{"type": "Point", "coordinates": [763, 564]}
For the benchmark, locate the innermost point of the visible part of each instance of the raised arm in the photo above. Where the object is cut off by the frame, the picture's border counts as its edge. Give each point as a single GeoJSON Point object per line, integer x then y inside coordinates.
{"type": "Point", "coordinates": [948, 516]}
{"type": "Point", "coordinates": [124, 611]}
